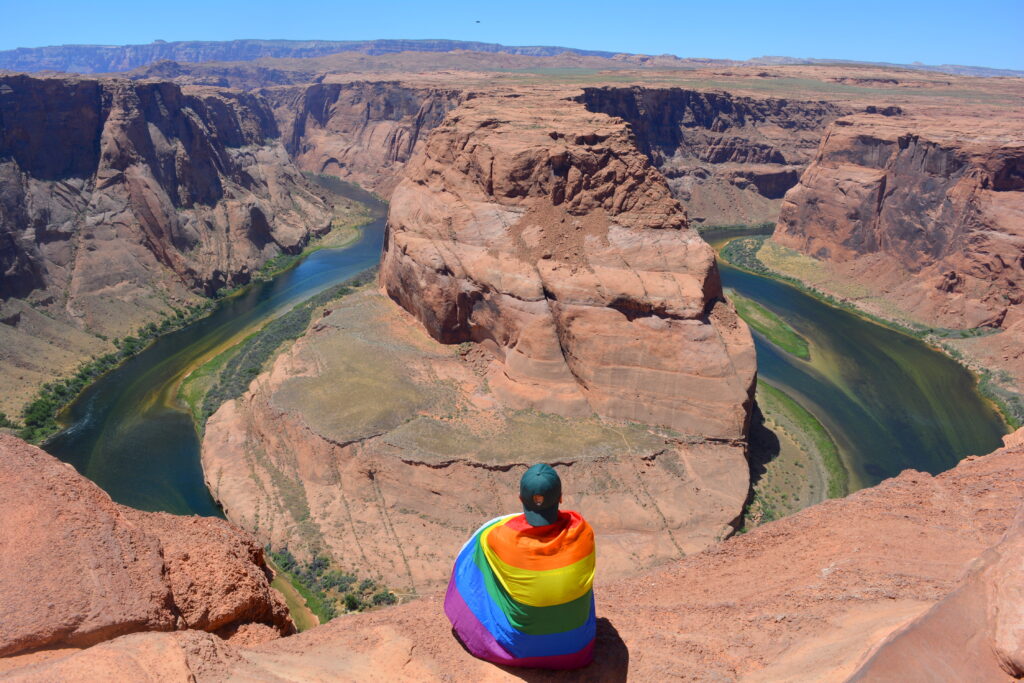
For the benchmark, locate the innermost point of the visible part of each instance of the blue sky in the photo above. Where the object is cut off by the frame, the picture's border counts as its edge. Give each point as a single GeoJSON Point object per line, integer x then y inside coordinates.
{"type": "Point", "coordinates": [984, 33]}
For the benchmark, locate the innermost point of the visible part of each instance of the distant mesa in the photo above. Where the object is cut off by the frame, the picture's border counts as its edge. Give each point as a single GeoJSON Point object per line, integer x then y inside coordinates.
{"type": "Point", "coordinates": [114, 58]}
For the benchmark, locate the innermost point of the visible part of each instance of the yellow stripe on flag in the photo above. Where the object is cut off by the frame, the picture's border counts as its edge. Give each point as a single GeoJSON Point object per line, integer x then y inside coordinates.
{"type": "Point", "coordinates": [540, 588]}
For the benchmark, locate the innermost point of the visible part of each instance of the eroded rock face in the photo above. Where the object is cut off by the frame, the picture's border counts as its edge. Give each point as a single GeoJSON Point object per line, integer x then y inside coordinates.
{"type": "Point", "coordinates": [116, 193]}
{"type": "Point", "coordinates": [729, 158]}
{"type": "Point", "coordinates": [77, 568]}
{"type": "Point", "coordinates": [925, 214]}
{"type": "Point", "coordinates": [942, 201]}
{"type": "Point", "coordinates": [537, 229]}
{"type": "Point", "coordinates": [363, 131]}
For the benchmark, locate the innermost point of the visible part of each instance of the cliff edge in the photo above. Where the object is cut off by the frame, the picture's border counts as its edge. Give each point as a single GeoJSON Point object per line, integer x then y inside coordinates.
{"type": "Point", "coordinates": [920, 569]}
{"type": "Point", "coordinates": [77, 569]}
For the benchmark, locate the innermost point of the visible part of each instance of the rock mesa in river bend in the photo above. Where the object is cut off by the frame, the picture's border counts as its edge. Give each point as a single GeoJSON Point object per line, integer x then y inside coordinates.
{"type": "Point", "coordinates": [537, 229]}
{"type": "Point", "coordinates": [573, 318]}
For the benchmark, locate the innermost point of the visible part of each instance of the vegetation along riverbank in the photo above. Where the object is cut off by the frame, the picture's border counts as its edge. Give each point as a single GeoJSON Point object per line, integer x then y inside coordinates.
{"type": "Point", "coordinates": [750, 253]}
{"type": "Point", "coordinates": [40, 415]}
{"type": "Point", "coordinates": [774, 328]}
{"type": "Point", "coordinates": [315, 590]}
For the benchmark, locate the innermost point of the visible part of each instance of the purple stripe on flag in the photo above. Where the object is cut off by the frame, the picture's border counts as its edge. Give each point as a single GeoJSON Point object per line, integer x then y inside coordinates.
{"type": "Point", "coordinates": [481, 643]}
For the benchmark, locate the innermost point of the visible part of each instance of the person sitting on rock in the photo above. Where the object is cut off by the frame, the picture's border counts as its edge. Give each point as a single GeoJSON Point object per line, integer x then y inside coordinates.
{"type": "Point", "coordinates": [521, 592]}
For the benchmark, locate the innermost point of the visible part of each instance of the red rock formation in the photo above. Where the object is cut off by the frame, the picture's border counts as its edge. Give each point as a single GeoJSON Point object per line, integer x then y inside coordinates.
{"type": "Point", "coordinates": [976, 633]}
{"type": "Point", "coordinates": [77, 568]}
{"type": "Point", "coordinates": [537, 228]}
{"type": "Point", "coordinates": [364, 131]}
{"type": "Point", "coordinates": [807, 598]}
{"type": "Point", "coordinates": [116, 193]}
{"type": "Point", "coordinates": [942, 201]}
{"type": "Point", "coordinates": [927, 214]}
{"type": "Point", "coordinates": [728, 158]}
{"type": "Point", "coordinates": [936, 199]}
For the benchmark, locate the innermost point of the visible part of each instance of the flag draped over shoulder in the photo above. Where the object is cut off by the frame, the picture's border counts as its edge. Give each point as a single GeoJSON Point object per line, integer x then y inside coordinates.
{"type": "Point", "coordinates": [523, 596]}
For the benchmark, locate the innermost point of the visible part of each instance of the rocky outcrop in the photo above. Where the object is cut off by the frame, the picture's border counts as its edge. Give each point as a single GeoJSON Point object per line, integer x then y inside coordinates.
{"type": "Point", "coordinates": [807, 598]}
{"type": "Point", "coordinates": [363, 131]}
{"type": "Point", "coordinates": [537, 229]}
{"type": "Point", "coordinates": [77, 568]}
{"type": "Point", "coordinates": [927, 213]}
{"type": "Point", "coordinates": [975, 633]}
{"type": "Point", "coordinates": [381, 449]}
{"type": "Point", "coordinates": [728, 158]}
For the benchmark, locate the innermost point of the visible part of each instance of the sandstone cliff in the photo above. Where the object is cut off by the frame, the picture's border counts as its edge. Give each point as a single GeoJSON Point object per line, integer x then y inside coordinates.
{"type": "Point", "coordinates": [926, 213]}
{"type": "Point", "coordinates": [537, 229]}
{"type": "Point", "coordinates": [807, 598]}
{"type": "Point", "coordinates": [77, 569]}
{"type": "Point", "coordinates": [729, 158]}
{"type": "Point", "coordinates": [363, 131]}
{"type": "Point", "coordinates": [119, 198]}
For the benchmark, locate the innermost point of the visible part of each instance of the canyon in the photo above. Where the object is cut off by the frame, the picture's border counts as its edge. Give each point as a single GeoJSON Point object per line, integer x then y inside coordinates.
{"type": "Point", "coordinates": [122, 202]}
{"type": "Point", "coordinates": [542, 296]}
{"type": "Point", "coordinates": [928, 225]}
{"type": "Point", "coordinates": [731, 142]}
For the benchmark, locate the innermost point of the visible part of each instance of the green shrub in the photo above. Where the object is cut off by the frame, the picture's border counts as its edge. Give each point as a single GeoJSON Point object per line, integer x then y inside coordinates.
{"type": "Point", "coordinates": [329, 591]}
{"type": "Point", "coordinates": [39, 417]}
{"type": "Point", "coordinates": [384, 598]}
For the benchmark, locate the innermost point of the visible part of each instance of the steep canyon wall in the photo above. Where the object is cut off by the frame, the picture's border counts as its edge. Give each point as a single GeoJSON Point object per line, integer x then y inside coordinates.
{"type": "Point", "coordinates": [120, 198]}
{"type": "Point", "coordinates": [927, 215]}
{"type": "Point", "coordinates": [728, 158]}
{"type": "Point", "coordinates": [363, 131]}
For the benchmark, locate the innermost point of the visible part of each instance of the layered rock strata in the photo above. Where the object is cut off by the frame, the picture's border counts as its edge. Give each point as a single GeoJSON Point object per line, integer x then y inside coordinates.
{"type": "Point", "coordinates": [77, 568]}
{"type": "Point", "coordinates": [374, 445]}
{"type": "Point", "coordinates": [362, 131]}
{"type": "Point", "coordinates": [119, 199]}
{"type": "Point", "coordinates": [106, 180]}
{"type": "Point", "coordinates": [926, 213]}
{"type": "Point", "coordinates": [537, 229]}
{"type": "Point", "coordinates": [729, 158]}
{"type": "Point", "coordinates": [807, 598]}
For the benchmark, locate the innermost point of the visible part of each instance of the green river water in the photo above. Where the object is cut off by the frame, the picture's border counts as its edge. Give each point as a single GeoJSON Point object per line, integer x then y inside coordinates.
{"type": "Point", "coordinates": [129, 433]}
{"type": "Point", "coordinates": [889, 401]}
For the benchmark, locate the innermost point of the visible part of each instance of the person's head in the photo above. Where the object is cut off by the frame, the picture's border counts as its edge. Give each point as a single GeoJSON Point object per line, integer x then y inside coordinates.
{"type": "Point", "coordinates": [540, 491]}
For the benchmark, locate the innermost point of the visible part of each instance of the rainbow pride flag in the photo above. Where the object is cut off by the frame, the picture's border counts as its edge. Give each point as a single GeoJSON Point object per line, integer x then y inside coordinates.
{"type": "Point", "coordinates": [522, 595]}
